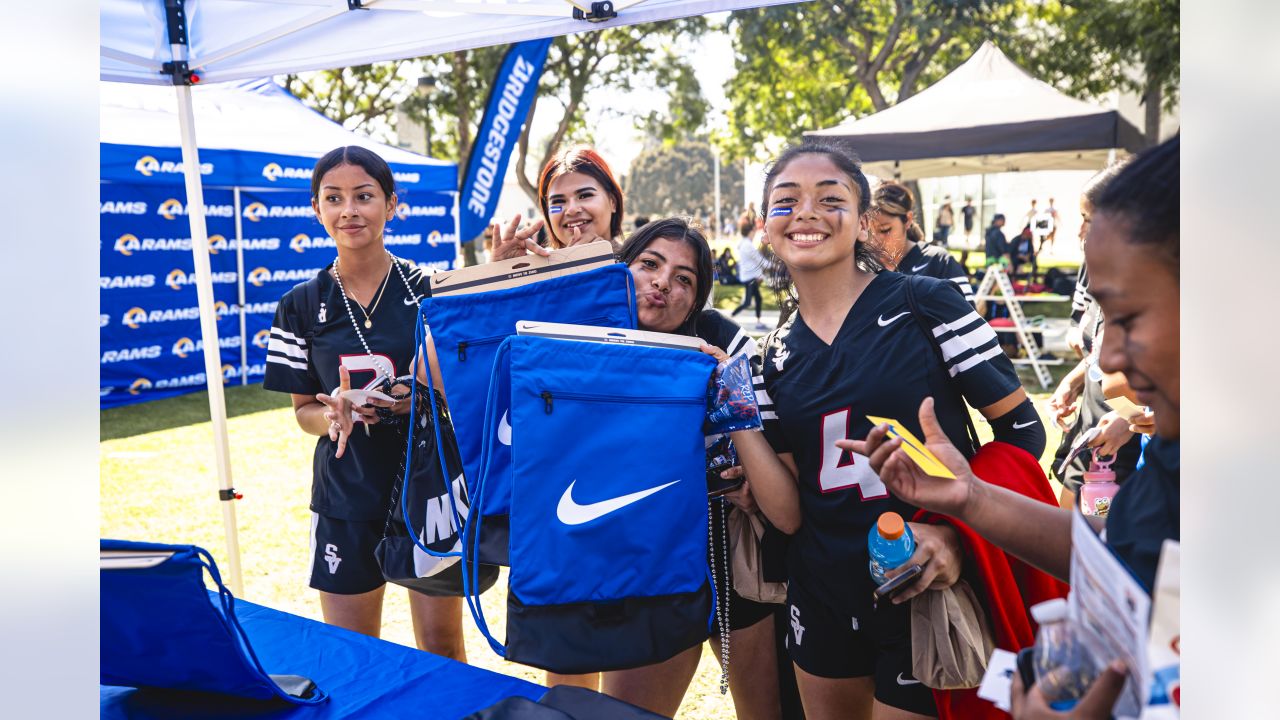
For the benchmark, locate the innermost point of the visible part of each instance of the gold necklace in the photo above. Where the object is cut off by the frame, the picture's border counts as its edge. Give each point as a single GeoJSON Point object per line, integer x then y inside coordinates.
{"type": "Point", "coordinates": [368, 315]}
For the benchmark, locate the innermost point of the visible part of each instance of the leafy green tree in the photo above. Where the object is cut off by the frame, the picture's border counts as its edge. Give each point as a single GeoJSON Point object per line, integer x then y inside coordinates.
{"type": "Point", "coordinates": [679, 179]}
{"type": "Point", "coordinates": [620, 59]}
{"type": "Point", "coordinates": [1083, 46]}
{"type": "Point", "coordinates": [811, 65]}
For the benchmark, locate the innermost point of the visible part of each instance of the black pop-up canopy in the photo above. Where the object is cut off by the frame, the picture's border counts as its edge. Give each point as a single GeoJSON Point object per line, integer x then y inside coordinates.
{"type": "Point", "coordinates": [986, 116]}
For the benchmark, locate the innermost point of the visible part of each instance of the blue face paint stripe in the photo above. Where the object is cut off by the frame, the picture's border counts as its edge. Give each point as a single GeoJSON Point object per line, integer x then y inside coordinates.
{"type": "Point", "coordinates": [555, 209]}
{"type": "Point", "coordinates": [779, 211]}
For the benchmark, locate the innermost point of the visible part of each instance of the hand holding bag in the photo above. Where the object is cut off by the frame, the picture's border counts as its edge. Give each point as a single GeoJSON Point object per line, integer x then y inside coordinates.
{"type": "Point", "coordinates": [951, 638]}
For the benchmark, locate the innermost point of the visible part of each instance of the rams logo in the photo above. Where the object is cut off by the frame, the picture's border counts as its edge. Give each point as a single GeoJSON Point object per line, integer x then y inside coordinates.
{"type": "Point", "coordinates": [146, 165]}
{"type": "Point", "coordinates": [133, 318]}
{"type": "Point", "coordinates": [139, 385]}
{"type": "Point", "coordinates": [183, 346]}
{"type": "Point", "coordinates": [258, 276]}
{"type": "Point", "coordinates": [175, 279]}
{"type": "Point", "coordinates": [300, 242]}
{"type": "Point", "coordinates": [215, 242]}
{"type": "Point", "coordinates": [261, 338]}
{"type": "Point", "coordinates": [433, 239]}
{"type": "Point", "coordinates": [170, 209]}
{"type": "Point", "coordinates": [402, 211]}
{"type": "Point", "coordinates": [272, 171]}
{"type": "Point", "coordinates": [256, 210]}
{"type": "Point", "coordinates": [229, 372]}
{"type": "Point", "coordinates": [126, 244]}
{"type": "Point", "coordinates": [219, 309]}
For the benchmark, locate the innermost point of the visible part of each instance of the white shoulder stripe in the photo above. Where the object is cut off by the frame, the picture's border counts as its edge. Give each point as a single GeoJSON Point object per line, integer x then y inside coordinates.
{"type": "Point", "coordinates": [286, 362]}
{"type": "Point", "coordinates": [285, 335]}
{"type": "Point", "coordinates": [971, 340]}
{"type": "Point", "coordinates": [768, 415]}
{"type": "Point", "coordinates": [956, 326]}
{"type": "Point", "coordinates": [276, 345]}
{"type": "Point", "coordinates": [975, 359]}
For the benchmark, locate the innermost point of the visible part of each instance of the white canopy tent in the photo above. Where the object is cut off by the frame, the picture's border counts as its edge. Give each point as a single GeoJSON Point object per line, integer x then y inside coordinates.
{"type": "Point", "coordinates": [179, 42]}
{"type": "Point", "coordinates": [986, 116]}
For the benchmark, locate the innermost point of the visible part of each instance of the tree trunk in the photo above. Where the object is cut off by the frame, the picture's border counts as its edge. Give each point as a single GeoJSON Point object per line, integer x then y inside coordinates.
{"type": "Point", "coordinates": [1152, 100]}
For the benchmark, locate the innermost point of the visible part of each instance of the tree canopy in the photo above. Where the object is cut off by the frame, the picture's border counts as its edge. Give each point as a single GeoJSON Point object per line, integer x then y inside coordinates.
{"type": "Point", "coordinates": [679, 179]}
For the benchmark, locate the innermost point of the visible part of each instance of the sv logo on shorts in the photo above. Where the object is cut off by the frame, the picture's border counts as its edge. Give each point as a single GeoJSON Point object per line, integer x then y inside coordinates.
{"type": "Point", "coordinates": [796, 628]}
{"type": "Point", "coordinates": [331, 557]}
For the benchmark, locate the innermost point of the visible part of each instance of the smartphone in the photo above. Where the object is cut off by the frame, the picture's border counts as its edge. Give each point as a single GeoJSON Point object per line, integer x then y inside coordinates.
{"type": "Point", "coordinates": [1026, 667]}
{"type": "Point", "coordinates": [716, 485]}
{"type": "Point", "coordinates": [892, 587]}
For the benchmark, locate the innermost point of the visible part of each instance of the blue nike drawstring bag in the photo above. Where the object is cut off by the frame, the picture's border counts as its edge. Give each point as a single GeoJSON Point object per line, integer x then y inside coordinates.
{"type": "Point", "coordinates": [161, 628]}
{"type": "Point", "coordinates": [467, 330]}
{"type": "Point", "coordinates": [608, 503]}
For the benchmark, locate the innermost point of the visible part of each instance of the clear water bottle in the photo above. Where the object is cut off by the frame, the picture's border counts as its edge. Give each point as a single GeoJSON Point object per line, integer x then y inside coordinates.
{"type": "Point", "coordinates": [890, 544]}
{"type": "Point", "coordinates": [1064, 669]}
{"type": "Point", "coordinates": [1099, 487]}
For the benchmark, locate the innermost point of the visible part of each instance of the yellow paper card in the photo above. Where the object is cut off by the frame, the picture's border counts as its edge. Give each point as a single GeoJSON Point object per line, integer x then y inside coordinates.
{"type": "Point", "coordinates": [914, 448]}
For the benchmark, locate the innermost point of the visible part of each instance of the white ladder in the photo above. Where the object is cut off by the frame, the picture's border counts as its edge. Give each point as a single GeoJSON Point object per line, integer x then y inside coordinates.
{"type": "Point", "coordinates": [995, 275]}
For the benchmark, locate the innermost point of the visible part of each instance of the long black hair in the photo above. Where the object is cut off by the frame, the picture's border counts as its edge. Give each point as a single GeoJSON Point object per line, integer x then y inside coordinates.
{"type": "Point", "coordinates": [681, 230]}
{"type": "Point", "coordinates": [1145, 196]}
{"type": "Point", "coordinates": [865, 256]}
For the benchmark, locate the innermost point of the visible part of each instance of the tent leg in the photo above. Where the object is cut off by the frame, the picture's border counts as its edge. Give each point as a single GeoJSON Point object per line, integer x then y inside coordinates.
{"type": "Point", "coordinates": [208, 328]}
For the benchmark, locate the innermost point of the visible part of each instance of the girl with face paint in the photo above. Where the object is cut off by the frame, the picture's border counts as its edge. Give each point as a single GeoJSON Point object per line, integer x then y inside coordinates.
{"type": "Point", "coordinates": [1133, 254]}
{"type": "Point", "coordinates": [854, 348]}
{"type": "Point", "coordinates": [581, 202]}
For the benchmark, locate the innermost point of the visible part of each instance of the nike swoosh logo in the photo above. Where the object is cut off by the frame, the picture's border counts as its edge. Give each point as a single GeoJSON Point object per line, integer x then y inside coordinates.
{"type": "Point", "coordinates": [571, 513]}
{"type": "Point", "coordinates": [504, 430]}
{"type": "Point", "coordinates": [907, 682]}
{"type": "Point", "coordinates": [1019, 426]}
{"type": "Point", "coordinates": [918, 268]}
{"type": "Point", "coordinates": [884, 322]}
{"type": "Point", "coordinates": [410, 301]}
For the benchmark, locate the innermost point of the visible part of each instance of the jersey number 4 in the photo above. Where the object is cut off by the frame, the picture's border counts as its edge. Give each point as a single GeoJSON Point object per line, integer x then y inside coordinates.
{"type": "Point", "coordinates": [843, 469]}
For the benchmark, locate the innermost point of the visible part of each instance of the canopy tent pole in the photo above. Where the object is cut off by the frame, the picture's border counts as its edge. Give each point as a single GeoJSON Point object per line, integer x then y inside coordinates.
{"type": "Point", "coordinates": [209, 331]}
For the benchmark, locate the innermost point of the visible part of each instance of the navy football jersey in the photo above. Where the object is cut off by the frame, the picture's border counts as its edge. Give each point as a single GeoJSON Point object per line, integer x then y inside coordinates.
{"type": "Point", "coordinates": [356, 486]}
{"type": "Point", "coordinates": [934, 261]}
{"type": "Point", "coordinates": [880, 363]}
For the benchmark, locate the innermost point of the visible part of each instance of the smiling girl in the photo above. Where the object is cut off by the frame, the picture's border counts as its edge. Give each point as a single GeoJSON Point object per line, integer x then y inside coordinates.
{"type": "Point", "coordinates": [856, 347]}
{"type": "Point", "coordinates": [361, 332]}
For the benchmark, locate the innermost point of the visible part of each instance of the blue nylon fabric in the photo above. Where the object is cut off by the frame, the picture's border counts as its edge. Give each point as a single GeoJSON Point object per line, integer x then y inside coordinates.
{"type": "Point", "coordinates": [364, 676]}
{"type": "Point", "coordinates": [635, 424]}
{"type": "Point", "coordinates": [603, 297]}
{"type": "Point", "coordinates": [161, 628]}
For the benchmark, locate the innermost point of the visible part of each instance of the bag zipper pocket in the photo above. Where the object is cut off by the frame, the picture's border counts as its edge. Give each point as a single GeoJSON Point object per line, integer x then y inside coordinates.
{"type": "Point", "coordinates": [464, 344]}
{"type": "Point", "coordinates": [549, 398]}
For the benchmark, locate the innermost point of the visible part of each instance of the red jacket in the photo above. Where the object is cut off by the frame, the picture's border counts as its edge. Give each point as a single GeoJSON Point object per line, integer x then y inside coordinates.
{"type": "Point", "coordinates": [1005, 585]}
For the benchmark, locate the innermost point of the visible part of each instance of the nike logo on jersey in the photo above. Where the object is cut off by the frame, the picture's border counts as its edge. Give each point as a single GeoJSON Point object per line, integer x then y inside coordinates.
{"type": "Point", "coordinates": [885, 323]}
{"type": "Point", "coordinates": [918, 268]}
{"type": "Point", "coordinates": [902, 681]}
{"type": "Point", "coordinates": [504, 430]}
{"type": "Point", "coordinates": [570, 512]}
{"type": "Point", "coordinates": [410, 301]}
{"type": "Point", "coordinates": [1019, 426]}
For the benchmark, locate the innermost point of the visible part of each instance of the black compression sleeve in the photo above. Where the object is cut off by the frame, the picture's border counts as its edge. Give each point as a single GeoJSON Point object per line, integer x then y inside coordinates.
{"type": "Point", "coordinates": [1021, 426]}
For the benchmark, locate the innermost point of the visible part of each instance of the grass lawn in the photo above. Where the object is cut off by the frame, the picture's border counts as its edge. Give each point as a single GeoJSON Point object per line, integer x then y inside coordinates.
{"type": "Point", "coordinates": [157, 483]}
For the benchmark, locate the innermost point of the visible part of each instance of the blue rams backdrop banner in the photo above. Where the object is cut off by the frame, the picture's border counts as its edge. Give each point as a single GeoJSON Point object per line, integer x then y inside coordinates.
{"type": "Point", "coordinates": [150, 320]}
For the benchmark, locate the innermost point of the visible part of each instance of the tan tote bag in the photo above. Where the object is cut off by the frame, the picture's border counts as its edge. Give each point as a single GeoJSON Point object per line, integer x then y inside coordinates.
{"type": "Point", "coordinates": [745, 531]}
{"type": "Point", "coordinates": [951, 638]}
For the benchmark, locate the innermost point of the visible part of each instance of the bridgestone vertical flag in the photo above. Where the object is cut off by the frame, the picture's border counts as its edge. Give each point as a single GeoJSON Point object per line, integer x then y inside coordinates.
{"type": "Point", "coordinates": [514, 88]}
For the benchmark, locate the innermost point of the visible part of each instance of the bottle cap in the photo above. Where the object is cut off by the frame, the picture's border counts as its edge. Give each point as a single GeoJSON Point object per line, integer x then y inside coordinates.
{"type": "Point", "coordinates": [890, 525]}
{"type": "Point", "coordinates": [1054, 610]}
